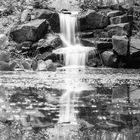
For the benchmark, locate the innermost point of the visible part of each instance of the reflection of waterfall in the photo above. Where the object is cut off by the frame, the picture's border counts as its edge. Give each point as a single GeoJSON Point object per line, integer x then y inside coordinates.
{"type": "Point", "coordinates": [67, 108]}
{"type": "Point", "coordinates": [74, 53]}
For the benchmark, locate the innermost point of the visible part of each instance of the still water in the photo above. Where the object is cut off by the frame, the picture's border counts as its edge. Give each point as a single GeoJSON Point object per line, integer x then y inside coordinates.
{"type": "Point", "coordinates": [70, 104]}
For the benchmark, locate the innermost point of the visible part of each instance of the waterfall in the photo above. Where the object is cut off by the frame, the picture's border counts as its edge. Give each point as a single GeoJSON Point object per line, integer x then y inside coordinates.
{"type": "Point", "coordinates": [75, 54]}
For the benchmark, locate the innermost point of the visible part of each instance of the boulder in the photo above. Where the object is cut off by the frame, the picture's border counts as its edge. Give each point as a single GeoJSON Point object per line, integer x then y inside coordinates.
{"type": "Point", "coordinates": [92, 20]}
{"type": "Point", "coordinates": [47, 65]}
{"type": "Point", "coordinates": [109, 59]}
{"type": "Point", "coordinates": [50, 42]}
{"type": "Point", "coordinates": [5, 56]}
{"type": "Point", "coordinates": [31, 31]}
{"type": "Point", "coordinates": [26, 15]}
{"type": "Point", "coordinates": [119, 19]}
{"type": "Point", "coordinates": [120, 44]}
{"type": "Point", "coordinates": [41, 65]}
{"type": "Point", "coordinates": [119, 32]}
{"type": "Point", "coordinates": [5, 66]}
{"type": "Point", "coordinates": [50, 65]}
{"type": "Point", "coordinates": [23, 45]}
{"type": "Point", "coordinates": [103, 46]}
{"type": "Point", "coordinates": [114, 13]}
{"type": "Point", "coordinates": [3, 41]}
{"type": "Point", "coordinates": [118, 29]}
{"type": "Point", "coordinates": [26, 65]}
{"type": "Point", "coordinates": [47, 55]}
{"type": "Point", "coordinates": [51, 16]}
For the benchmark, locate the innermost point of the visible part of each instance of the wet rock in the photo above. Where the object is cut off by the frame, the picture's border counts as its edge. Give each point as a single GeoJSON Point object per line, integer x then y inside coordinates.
{"type": "Point", "coordinates": [100, 33]}
{"type": "Point", "coordinates": [34, 64]}
{"type": "Point", "coordinates": [119, 32]}
{"type": "Point", "coordinates": [116, 7]}
{"type": "Point", "coordinates": [26, 44]}
{"type": "Point", "coordinates": [48, 55]}
{"type": "Point", "coordinates": [26, 65]}
{"type": "Point", "coordinates": [31, 31]}
{"type": "Point", "coordinates": [6, 66]}
{"type": "Point", "coordinates": [51, 16]}
{"type": "Point", "coordinates": [87, 42]}
{"type": "Point", "coordinates": [120, 44]}
{"type": "Point", "coordinates": [50, 42]}
{"type": "Point", "coordinates": [114, 13]}
{"type": "Point", "coordinates": [47, 65]}
{"type": "Point", "coordinates": [103, 46]}
{"type": "Point", "coordinates": [92, 20]}
{"type": "Point", "coordinates": [109, 59]}
{"type": "Point", "coordinates": [50, 65]}
{"type": "Point", "coordinates": [122, 27]}
{"type": "Point", "coordinates": [5, 56]}
{"type": "Point", "coordinates": [26, 15]}
{"type": "Point", "coordinates": [119, 19]}
{"type": "Point", "coordinates": [41, 65]}
{"type": "Point", "coordinates": [3, 41]}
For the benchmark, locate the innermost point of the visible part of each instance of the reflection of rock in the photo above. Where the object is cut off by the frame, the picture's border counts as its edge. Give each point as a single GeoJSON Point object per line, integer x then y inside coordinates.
{"type": "Point", "coordinates": [92, 20]}
{"type": "Point", "coordinates": [31, 31]}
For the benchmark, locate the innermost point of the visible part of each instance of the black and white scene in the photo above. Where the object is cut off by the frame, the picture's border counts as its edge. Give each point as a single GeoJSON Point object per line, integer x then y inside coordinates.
{"type": "Point", "coordinates": [69, 69]}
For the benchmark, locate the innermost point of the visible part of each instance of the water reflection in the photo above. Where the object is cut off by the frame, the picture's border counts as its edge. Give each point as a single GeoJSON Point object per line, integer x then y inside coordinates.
{"type": "Point", "coordinates": [103, 113]}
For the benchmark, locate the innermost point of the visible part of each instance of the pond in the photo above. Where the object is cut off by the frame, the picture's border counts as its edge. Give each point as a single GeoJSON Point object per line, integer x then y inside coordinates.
{"type": "Point", "coordinates": [70, 104]}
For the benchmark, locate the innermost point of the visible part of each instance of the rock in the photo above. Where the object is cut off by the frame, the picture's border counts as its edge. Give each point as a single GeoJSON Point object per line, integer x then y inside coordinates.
{"type": "Point", "coordinates": [119, 32]}
{"type": "Point", "coordinates": [31, 31]}
{"type": "Point", "coordinates": [26, 15]}
{"type": "Point", "coordinates": [120, 27]}
{"type": "Point", "coordinates": [116, 7]}
{"type": "Point", "coordinates": [135, 43]}
{"type": "Point", "coordinates": [103, 46]}
{"type": "Point", "coordinates": [51, 16]}
{"type": "Point", "coordinates": [34, 64]}
{"type": "Point", "coordinates": [120, 44]}
{"type": "Point", "coordinates": [36, 4]}
{"type": "Point", "coordinates": [5, 56]}
{"type": "Point", "coordinates": [87, 42]}
{"type": "Point", "coordinates": [109, 59]}
{"type": "Point", "coordinates": [26, 65]}
{"type": "Point", "coordinates": [47, 65]}
{"type": "Point", "coordinates": [3, 41]}
{"type": "Point", "coordinates": [100, 33]}
{"type": "Point", "coordinates": [26, 44]}
{"type": "Point", "coordinates": [114, 13]}
{"type": "Point", "coordinates": [92, 20]}
{"type": "Point", "coordinates": [41, 65]}
{"type": "Point", "coordinates": [5, 66]}
{"type": "Point", "coordinates": [50, 65]}
{"type": "Point", "coordinates": [119, 19]}
{"type": "Point", "coordinates": [47, 55]}
{"type": "Point", "coordinates": [50, 42]}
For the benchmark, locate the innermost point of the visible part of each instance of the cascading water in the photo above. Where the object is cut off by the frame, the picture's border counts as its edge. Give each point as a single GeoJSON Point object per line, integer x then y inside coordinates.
{"type": "Point", "coordinates": [73, 51]}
